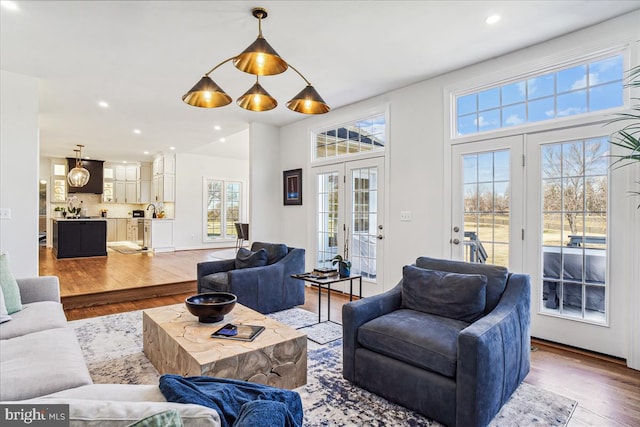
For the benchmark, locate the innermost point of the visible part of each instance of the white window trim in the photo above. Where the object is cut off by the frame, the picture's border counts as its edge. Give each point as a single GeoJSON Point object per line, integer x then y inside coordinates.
{"type": "Point", "coordinates": [205, 193]}
{"type": "Point", "coordinates": [552, 63]}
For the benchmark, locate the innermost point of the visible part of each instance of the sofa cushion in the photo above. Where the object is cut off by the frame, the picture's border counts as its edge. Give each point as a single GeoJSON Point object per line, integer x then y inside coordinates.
{"type": "Point", "coordinates": [496, 275]}
{"type": "Point", "coordinates": [216, 282]}
{"type": "Point", "coordinates": [452, 295]}
{"type": "Point", "coordinates": [4, 314]}
{"type": "Point", "coordinates": [275, 251]}
{"type": "Point", "coordinates": [34, 317]}
{"type": "Point", "coordinates": [168, 418]}
{"type": "Point", "coordinates": [107, 413]}
{"type": "Point", "coordinates": [247, 259]}
{"type": "Point", "coordinates": [41, 363]}
{"type": "Point", "coordinates": [420, 339]}
{"type": "Point", "coordinates": [9, 286]}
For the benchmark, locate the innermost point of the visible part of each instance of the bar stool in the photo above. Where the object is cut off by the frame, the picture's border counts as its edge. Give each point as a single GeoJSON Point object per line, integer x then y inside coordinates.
{"type": "Point", "coordinates": [242, 231]}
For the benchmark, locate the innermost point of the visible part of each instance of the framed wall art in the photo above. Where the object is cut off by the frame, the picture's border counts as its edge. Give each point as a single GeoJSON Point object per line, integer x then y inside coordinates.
{"type": "Point", "coordinates": [292, 187]}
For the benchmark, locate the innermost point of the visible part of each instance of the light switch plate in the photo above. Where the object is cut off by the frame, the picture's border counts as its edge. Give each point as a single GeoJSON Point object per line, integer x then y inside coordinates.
{"type": "Point", "coordinates": [405, 215]}
{"type": "Point", "coordinates": [5, 213]}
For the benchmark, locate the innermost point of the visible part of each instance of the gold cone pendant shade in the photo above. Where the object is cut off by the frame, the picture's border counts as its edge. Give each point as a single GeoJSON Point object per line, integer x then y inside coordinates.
{"type": "Point", "coordinates": [259, 59]}
{"type": "Point", "coordinates": [257, 99]}
{"type": "Point", "coordinates": [206, 94]}
{"type": "Point", "coordinates": [78, 176]}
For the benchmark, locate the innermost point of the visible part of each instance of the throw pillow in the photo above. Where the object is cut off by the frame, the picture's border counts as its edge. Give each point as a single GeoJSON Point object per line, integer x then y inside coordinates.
{"type": "Point", "coordinates": [246, 259]}
{"type": "Point", "coordinates": [9, 286]}
{"type": "Point", "coordinates": [451, 295]}
{"type": "Point", "coordinates": [169, 418]}
{"type": "Point", "coordinates": [275, 251]}
{"type": "Point", "coordinates": [4, 314]}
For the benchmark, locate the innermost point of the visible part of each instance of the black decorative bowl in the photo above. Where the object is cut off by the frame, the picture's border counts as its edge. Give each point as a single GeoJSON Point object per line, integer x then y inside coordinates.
{"type": "Point", "coordinates": [211, 307]}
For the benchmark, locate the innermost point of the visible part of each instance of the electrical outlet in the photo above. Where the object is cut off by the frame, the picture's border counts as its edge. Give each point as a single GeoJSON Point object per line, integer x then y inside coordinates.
{"type": "Point", "coordinates": [5, 213]}
{"type": "Point", "coordinates": [405, 215]}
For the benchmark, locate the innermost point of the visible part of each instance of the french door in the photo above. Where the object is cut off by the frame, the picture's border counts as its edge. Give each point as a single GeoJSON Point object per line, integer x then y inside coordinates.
{"type": "Point", "coordinates": [350, 218]}
{"type": "Point", "coordinates": [549, 214]}
{"type": "Point", "coordinates": [487, 202]}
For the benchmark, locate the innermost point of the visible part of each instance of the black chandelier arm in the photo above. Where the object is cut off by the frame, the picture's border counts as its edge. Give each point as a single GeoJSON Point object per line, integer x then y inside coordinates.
{"type": "Point", "coordinates": [217, 66]}
{"type": "Point", "coordinates": [300, 74]}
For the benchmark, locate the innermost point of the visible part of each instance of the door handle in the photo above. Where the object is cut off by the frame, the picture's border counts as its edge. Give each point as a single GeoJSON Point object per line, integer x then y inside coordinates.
{"type": "Point", "coordinates": [456, 241]}
{"type": "Point", "coordinates": [380, 236]}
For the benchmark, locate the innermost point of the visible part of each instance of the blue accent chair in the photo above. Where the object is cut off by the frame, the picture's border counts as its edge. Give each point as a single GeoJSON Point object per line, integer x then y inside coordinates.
{"type": "Point", "coordinates": [457, 372]}
{"type": "Point", "coordinates": [266, 288]}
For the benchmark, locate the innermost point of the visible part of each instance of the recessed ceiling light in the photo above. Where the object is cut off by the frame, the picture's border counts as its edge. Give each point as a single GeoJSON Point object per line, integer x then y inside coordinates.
{"type": "Point", "coordinates": [172, 148]}
{"type": "Point", "coordinates": [145, 152]}
{"type": "Point", "coordinates": [9, 5]}
{"type": "Point", "coordinates": [124, 161]}
{"type": "Point", "coordinates": [223, 140]}
{"type": "Point", "coordinates": [493, 19]}
{"type": "Point", "coordinates": [137, 131]}
{"type": "Point", "coordinates": [103, 104]}
{"type": "Point", "coordinates": [217, 127]}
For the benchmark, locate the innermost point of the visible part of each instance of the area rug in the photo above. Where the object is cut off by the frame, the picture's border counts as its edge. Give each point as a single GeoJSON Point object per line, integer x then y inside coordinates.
{"type": "Point", "coordinates": [307, 322]}
{"type": "Point", "coordinates": [112, 347]}
{"type": "Point", "coordinates": [124, 249]}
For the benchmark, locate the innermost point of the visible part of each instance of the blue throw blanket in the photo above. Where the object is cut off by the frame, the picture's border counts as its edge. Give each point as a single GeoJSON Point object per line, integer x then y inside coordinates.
{"type": "Point", "coordinates": [239, 403]}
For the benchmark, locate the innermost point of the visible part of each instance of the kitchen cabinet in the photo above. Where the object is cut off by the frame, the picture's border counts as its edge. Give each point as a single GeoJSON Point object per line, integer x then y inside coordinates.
{"type": "Point", "coordinates": [120, 192]}
{"type": "Point", "coordinates": [112, 230]}
{"type": "Point", "coordinates": [74, 238]}
{"type": "Point", "coordinates": [58, 181]}
{"type": "Point", "coordinates": [131, 192]}
{"type": "Point", "coordinates": [158, 235]}
{"type": "Point", "coordinates": [108, 192]}
{"type": "Point", "coordinates": [163, 188]}
{"type": "Point", "coordinates": [121, 229]}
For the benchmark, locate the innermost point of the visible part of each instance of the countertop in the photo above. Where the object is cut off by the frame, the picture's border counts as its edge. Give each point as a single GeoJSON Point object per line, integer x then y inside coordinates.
{"type": "Point", "coordinates": [89, 218]}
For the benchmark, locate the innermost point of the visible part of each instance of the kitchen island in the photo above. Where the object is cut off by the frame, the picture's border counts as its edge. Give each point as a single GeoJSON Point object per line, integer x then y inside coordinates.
{"type": "Point", "coordinates": [81, 237]}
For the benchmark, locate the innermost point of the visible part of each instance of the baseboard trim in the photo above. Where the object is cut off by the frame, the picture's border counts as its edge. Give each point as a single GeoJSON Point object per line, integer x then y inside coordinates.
{"type": "Point", "coordinates": [578, 350]}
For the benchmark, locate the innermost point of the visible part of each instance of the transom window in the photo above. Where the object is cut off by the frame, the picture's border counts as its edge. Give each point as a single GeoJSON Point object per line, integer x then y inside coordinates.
{"type": "Point", "coordinates": [592, 86]}
{"type": "Point", "coordinates": [222, 208]}
{"type": "Point", "coordinates": [358, 136]}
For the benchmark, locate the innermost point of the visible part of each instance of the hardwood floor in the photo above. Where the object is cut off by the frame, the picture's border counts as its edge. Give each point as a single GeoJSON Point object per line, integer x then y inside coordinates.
{"type": "Point", "coordinates": [607, 391]}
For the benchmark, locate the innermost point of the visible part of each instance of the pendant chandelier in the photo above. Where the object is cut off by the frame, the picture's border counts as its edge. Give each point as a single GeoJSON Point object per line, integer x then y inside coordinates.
{"type": "Point", "coordinates": [78, 176]}
{"type": "Point", "coordinates": [259, 59]}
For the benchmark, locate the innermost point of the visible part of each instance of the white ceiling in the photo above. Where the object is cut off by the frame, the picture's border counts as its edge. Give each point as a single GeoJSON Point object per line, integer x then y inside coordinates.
{"type": "Point", "coordinates": [142, 56]}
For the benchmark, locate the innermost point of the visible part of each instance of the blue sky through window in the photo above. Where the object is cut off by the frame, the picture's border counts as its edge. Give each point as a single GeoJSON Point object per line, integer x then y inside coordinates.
{"type": "Point", "coordinates": [576, 90]}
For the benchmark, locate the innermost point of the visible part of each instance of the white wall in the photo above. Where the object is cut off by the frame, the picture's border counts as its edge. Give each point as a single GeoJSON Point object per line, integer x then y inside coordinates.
{"type": "Point", "coordinates": [418, 162]}
{"type": "Point", "coordinates": [19, 171]}
{"type": "Point", "coordinates": [265, 216]}
{"type": "Point", "coordinates": [189, 209]}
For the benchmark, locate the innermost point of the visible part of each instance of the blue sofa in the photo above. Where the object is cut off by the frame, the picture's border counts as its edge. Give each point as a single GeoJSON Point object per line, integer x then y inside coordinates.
{"type": "Point", "coordinates": [266, 288]}
{"type": "Point", "coordinates": [458, 362]}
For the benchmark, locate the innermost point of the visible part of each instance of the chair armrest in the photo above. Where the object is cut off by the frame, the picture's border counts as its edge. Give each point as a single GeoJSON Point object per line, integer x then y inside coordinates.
{"type": "Point", "coordinates": [211, 267]}
{"type": "Point", "coordinates": [356, 314]}
{"type": "Point", "coordinates": [250, 283]}
{"type": "Point", "coordinates": [494, 355]}
{"type": "Point", "coordinates": [42, 288]}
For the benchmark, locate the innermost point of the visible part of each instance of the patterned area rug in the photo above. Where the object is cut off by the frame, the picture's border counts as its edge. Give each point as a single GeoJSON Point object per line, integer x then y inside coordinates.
{"type": "Point", "coordinates": [112, 347]}
{"type": "Point", "coordinates": [298, 318]}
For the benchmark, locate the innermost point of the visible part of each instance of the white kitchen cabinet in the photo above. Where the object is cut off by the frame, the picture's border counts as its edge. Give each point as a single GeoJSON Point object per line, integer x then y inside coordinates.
{"type": "Point", "coordinates": [58, 181]}
{"type": "Point", "coordinates": [132, 172]}
{"type": "Point", "coordinates": [163, 188]}
{"type": "Point", "coordinates": [121, 229]}
{"type": "Point", "coordinates": [120, 192]}
{"type": "Point", "coordinates": [120, 172]}
{"type": "Point", "coordinates": [145, 171]}
{"type": "Point", "coordinates": [108, 195]}
{"type": "Point", "coordinates": [131, 192]}
{"type": "Point", "coordinates": [112, 230]}
{"type": "Point", "coordinates": [145, 191]}
{"type": "Point", "coordinates": [158, 235]}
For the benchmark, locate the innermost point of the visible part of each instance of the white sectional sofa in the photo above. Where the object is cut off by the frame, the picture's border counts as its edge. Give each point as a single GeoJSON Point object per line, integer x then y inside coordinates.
{"type": "Point", "coordinates": [41, 362]}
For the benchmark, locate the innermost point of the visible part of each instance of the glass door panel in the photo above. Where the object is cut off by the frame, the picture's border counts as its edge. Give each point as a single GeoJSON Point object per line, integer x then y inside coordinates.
{"type": "Point", "coordinates": [487, 177]}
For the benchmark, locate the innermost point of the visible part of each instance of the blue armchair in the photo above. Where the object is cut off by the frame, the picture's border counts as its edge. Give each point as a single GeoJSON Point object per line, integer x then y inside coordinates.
{"type": "Point", "coordinates": [266, 288]}
{"type": "Point", "coordinates": [451, 341]}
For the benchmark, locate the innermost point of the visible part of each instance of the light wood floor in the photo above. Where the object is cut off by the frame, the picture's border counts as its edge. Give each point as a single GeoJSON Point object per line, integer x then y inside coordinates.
{"type": "Point", "coordinates": [607, 391]}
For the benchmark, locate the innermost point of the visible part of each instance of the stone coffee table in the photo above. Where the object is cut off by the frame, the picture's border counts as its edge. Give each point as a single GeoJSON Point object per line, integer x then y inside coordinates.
{"type": "Point", "coordinates": [176, 343]}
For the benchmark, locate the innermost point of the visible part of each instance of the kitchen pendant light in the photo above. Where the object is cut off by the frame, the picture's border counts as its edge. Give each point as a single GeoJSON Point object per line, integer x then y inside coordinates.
{"type": "Point", "coordinates": [259, 59]}
{"type": "Point", "coordinates": [78, 176]}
